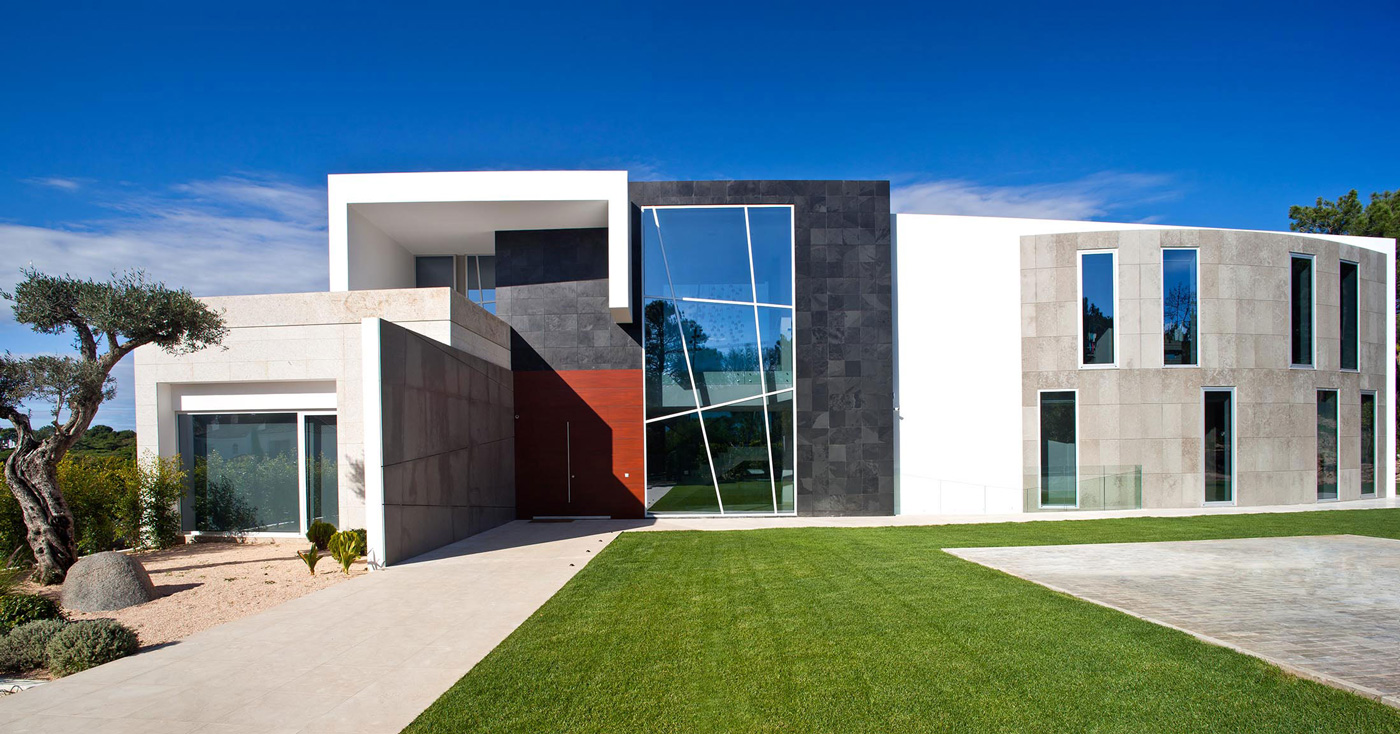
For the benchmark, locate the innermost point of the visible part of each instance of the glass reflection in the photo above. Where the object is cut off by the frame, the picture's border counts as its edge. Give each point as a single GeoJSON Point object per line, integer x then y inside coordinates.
{"type": "Point", "coordinates": [723, 344]}
{"type": "Point", "coordinates": [1327, 444]}
{"type": "Point", "coordinates": [668, 385]}
{"type": "Point", "coordinates": [1179, 305]}
{"type": "Point", "coordinates": [1368, 443]}
{"type": "Point", "coordinates": [739, 449]}
{"type": "Point", "coordinates": [770, 231]}
{"type": "Point", "coordinates": [1351, 324]}
{"type": "Point", "coordinates": [1219, 446]}
{"type": "Point", "coordinates": [678, 470]}
{"type": "Point", "coordinates": [243, 471]}
{"type": "Point", "coordinates": [775, 336]}
{"type": "Point", "coordinates": [706, 251]}
{"type": "Point", "coordinates": [782, 429]}
{"type": "Point", "coordinates": [1059, 483]}
{"type": "Point", "coordinates": [1301, 310]}
{"type": "Point", "coordinates": [1096, 284]}
{"type": "Point", "coordinates": [322, 487]}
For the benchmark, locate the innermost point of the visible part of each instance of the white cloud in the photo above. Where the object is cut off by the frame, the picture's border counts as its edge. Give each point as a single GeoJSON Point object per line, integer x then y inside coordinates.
{"type": "Point", "coordinates": [1090, 197]}
{"type": "Point", "coordinates": [232, 235]}
{"type": "Point", "coordinates": [227, 236]}
{"type": "Point", "coordinates": [54, 182]}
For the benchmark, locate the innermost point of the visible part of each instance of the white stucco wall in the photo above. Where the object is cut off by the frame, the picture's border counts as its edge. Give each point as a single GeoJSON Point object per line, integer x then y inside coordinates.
{"type": "Point", "coordinates": [375, 260]}
{"type": "Point", "coordinates": [958, 364]}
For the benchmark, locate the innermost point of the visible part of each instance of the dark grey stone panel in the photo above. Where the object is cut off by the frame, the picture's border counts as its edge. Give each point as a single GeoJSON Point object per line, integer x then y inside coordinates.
{"type": "Point", "coordinates": [844, 330]}
{"type": "Point", "coordinates": [449, 443]}
{"type": "Point", "coordinates": [552, 288]}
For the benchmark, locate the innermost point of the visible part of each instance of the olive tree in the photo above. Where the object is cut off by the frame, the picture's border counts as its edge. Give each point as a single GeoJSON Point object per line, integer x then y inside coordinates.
{"type": "Point", "coordinates": [108, 320]}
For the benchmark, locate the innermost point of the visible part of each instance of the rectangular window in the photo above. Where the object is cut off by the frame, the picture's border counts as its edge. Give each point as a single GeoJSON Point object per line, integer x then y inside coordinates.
{"type": "Point", "coordinates": [433, 272]}
{"type": "Point", "coordinates": [1368, 443]}
{"type": "Point", "coordinates": [1327, 444]}
{"type": "Point", "coordinates": [1301, 309]}
{"type": "Point", "coordinates": [1351, 315]}
{"type": "Point", "coordinates": [242, 469]}
{"type": "Point", "coordinates": [1098, 299]}
{"type": "Point", "coordinates": [481, 280]}
{"type": "Point", "coordinates": [1059, 450]}
{"type": "Point", "coordinates": [1219, 434]}
{"type": "Point", "coordinates": [1179, 306]}
{"type": "Point", "coordinates": [322, 486]}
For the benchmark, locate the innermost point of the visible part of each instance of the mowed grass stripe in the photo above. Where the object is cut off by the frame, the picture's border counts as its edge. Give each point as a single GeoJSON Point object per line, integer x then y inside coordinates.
{"type": "Point", "coordinates": [876, 630]}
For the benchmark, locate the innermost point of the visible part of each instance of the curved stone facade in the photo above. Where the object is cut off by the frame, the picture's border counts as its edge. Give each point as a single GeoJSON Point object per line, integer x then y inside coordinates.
{"type": "Point", "coordinates": [1141, 419]}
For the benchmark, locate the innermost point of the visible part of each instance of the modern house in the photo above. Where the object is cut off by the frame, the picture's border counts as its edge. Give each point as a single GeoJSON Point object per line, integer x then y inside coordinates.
{"type": "Point", "coordinates": [501, 345]}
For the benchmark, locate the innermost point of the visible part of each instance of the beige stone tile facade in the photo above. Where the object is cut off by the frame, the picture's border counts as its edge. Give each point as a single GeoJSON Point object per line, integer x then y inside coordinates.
{"type": "Point", "coordinates": [1143, 417]}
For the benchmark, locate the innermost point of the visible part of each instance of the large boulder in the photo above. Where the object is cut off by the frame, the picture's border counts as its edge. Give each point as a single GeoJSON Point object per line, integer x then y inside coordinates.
{"type": "Point", "coordinates": [105, 581]}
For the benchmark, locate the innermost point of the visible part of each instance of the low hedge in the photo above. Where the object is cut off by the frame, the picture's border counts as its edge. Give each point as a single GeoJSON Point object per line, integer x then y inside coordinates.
{"type": "Point", "coordinates": [88, 644]}
{"type": "Point", "coordinates": [26, 647]}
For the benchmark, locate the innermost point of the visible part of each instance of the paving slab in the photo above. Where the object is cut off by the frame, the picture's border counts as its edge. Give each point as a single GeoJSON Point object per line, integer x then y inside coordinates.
{"type": "Point", "coordinates": [367, 655]}
{"type": "Point", "coordinates": [1323, 607]}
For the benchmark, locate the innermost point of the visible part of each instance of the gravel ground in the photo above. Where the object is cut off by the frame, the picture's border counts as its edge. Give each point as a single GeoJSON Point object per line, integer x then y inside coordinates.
{"type": "Point", "coordinates": [206, 584]}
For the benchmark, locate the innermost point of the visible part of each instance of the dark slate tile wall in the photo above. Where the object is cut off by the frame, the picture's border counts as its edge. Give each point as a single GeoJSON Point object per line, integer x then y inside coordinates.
{"type": "Point", "coordinates": [552, 288]}
{"type": "Point", "coordinates": [845, 331]}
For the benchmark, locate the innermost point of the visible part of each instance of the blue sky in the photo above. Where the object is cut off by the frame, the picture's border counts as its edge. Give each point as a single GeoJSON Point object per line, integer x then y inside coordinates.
{"type": "Point", "coordinates": [194, 141]}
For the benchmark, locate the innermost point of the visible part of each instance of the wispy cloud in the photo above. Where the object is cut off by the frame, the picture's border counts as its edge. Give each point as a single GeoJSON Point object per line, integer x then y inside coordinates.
{"type": "Point", "coordinates": [225, 236]}
{"type": "Point", "coordinates": [54, 182]}
{"type": "Point", "coordinates": [1091, 197]}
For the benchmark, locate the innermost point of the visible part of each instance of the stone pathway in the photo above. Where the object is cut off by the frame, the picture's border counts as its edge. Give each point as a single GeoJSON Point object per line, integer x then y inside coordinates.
{"type": "Point", "coordinates": [367, 655]}
{"type": "Point", "coordinates": [1326, 608]}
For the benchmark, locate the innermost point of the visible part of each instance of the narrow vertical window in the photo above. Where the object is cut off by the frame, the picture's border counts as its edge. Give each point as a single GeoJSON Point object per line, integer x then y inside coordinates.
{"type": "Point", "coordinates": [1368, 443]}
{"type": "Point", "coordinates": [1098, 299]}
{"type": "Point", "coordinates": [1351, 315]}
{"type": "Point", "coordinates": [1059, 477]}
{"type": "Point", "coordinates": [1219, 444]}
{"type": "Point", "coordinates": [1327, 444]}
{"type": "Point", "coordinates": [1301, 309]}
{"type": "Point", "coordinates": [1179, 306]}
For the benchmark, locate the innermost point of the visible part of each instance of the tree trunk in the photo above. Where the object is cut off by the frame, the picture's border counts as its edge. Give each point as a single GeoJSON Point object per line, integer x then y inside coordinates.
{"type": "Point", "coordinates": [33, 478]}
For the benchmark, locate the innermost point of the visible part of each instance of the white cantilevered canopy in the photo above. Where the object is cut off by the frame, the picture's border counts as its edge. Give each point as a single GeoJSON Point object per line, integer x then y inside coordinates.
{"type": "Point", "coordinates": [379, 222]}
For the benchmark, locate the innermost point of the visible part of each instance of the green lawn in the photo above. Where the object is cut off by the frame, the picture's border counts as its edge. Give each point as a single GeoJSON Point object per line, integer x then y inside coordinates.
{"type": "Point", "coordinates": [878, 630]}
{"type": "Point", "coordinates": [738, 497]}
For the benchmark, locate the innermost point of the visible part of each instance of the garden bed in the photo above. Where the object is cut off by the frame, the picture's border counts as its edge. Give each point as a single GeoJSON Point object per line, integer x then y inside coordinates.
{"type": "Point", "coordinates": [202, 585]}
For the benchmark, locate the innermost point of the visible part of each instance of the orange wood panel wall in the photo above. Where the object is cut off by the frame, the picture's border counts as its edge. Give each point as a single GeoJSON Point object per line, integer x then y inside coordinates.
{"type": "Point", "coordinates": [604, 413]}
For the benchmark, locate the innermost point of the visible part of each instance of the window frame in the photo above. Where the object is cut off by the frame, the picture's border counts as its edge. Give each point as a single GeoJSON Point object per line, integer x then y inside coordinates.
{"type": "Point", "coordinates": [1079, 306]}
{"type": "Point", "coordinates": [1341, 330]}
{"type": "Point", "coordinates": [302, 504]}
{"type": "Point", "coordinates": [1040, 468]}
{"type": "Point", "coordinates": [1312, 310]}
{"type": "Point", "coordinates": [1199, 319]}
{"type": "Point", "coordinates": [1234, 447]}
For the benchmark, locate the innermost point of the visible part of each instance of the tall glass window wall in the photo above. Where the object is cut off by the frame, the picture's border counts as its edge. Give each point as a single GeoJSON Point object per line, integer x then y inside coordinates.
{"type": "Point", "coordinates": [1301, 309]}
{"type": "Point", "coordinates": [718, 334]}
{"type": "Point", "coordinates": [1327, 444]}
{"type": "Point", "coordinates": [1368, 443]}
{"type": "Point", "coordinates": [1351, 315]}
{"type": "Point", "coordinates": [1099, 301]}
{"type": "Point", "coordinates": [1059, 450]}
{"type": "Point", "coordinates": [1179, 307]}
{"type": "Point", "coordinates": [1219, 442]}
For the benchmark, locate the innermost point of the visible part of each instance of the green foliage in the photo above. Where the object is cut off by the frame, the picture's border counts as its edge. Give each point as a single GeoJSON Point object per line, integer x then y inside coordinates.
{"type": "Point", "coordinates": [244, 492]}
{"type": "Point", "coordinates": [347, 546]}
{"type": "Point", "coordinates": [102, 442]}
{"type": "Point", "coordinates": [363, 535]}
{"type": "Point", "coordinates": [97, 497]}
{"type": "Point", "coordinates": [17, 609]}
{"type": "Point", "coordinates": [157, 484]}
{"type": "Point", "coordinates": [87, 644]}
{"type": "Point", "coordinates": [26, 647]}
{"type": "Point", "coordinates": [1346, 215]}
{"type": "Point", "coordinates": [12, 572]}
{"type": "Point", "coordinates": [311, 557]}
{"type": "Point", "coordinates": [320, 533]}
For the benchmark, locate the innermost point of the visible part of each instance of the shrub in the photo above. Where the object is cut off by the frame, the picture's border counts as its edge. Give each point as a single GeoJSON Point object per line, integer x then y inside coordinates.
{"type": "Point", "coordinates": [320, 533]}
{"type": "Point", "coordinates": [16, 609]}
{"type": "Point", "coordinates": [346, 546]}
{"type": "Point", "coordinates": [12, 572]}
{"type": "Point", "coordinates": [156, 484]}
{"type": "Point", "coordinates": [26, 647]}
{"type": "Point", "coordinates": [87, 644]}
{"type": "Point", "coordinates": [311, 556]}
{"type": "Point", "coordinates": [363, 535]}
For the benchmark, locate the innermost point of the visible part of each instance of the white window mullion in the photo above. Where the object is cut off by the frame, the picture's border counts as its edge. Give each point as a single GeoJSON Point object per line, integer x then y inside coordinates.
{"type": "Point", "coordinates": [762, 379]}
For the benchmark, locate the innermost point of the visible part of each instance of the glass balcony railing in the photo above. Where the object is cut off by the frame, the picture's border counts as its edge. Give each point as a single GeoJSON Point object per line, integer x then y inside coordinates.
{"type": "Point", "coordinates": [1099, 488]}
